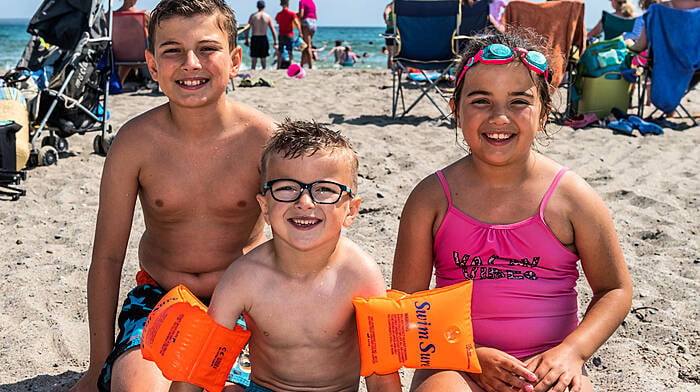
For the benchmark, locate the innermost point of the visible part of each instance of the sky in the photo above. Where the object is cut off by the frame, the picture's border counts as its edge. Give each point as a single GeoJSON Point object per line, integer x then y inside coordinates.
{"type": "Point", "coordinates": [330, 12]}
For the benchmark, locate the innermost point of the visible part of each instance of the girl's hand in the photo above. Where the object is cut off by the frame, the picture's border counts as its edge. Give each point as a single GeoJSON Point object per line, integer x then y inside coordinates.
{"type": "Point", "coordinates": [557, 369]}
{"type": "Point", "coordinates": [501, 372]}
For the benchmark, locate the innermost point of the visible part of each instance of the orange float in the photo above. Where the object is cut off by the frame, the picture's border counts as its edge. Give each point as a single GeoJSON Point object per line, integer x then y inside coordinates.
{"type": "Point", "coordinates": [187, 345]}
{"type": "Point", "coordinates": [430, 329]}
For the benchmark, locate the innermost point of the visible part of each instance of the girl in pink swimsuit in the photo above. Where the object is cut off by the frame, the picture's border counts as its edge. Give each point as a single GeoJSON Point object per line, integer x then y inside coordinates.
{"type": "Point", "coordinates": [516, 223]}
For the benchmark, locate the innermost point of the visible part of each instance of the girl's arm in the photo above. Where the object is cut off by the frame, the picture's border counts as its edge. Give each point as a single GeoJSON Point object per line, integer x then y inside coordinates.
{"type": "Point", "coordinates": [605, 269]}
{"type": "Point", "coordinates": [413, 258]}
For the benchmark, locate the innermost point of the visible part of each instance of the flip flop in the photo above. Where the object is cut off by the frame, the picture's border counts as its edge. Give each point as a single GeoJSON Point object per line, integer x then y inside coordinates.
{"type": "Point", "coordinates": [247, 82]}
{"type": "Point", "coordinates": [582, 120]}
{"type": "Point", "coordinates": [265, 83]}
{"type": "Point", "coordinates": [622, 126]}
{"type": "Point", "coordinates": [645, 128]}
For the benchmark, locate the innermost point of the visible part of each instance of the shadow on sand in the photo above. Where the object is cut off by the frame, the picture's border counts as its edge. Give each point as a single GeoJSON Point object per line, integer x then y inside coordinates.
{"type": "Point", "coordinates": [384, 120]}
{"type": "Point", "coordinates": [44, 383]}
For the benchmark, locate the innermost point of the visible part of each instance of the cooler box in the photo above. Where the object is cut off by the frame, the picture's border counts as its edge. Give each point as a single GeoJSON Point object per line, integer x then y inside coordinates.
{"type": "Point", "coordinates": [599, 95]}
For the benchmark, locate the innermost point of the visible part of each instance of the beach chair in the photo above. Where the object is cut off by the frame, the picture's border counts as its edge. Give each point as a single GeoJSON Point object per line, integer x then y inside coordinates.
{"type": "Point", "coordinates": [130, 38]}
{"type": "Point", "coordinates": [561, 24]}
{"type": "Point", "coordinates": [69, 39]}
{"type": "Point", "coordinates": [475, 19]}
{"type": "Point", "coordinates": [426, 33]}
{"type": "Point", "coordinates": [674, 58]}
{"type": "Point", "coordinates": [615, 26]}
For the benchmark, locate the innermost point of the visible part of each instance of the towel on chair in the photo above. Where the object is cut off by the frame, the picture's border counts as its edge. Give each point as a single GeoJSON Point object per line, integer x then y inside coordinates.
{"type": "Point", "coordinates": [673, 41]}
{"type": "Point", "coordinates": [560, 22]}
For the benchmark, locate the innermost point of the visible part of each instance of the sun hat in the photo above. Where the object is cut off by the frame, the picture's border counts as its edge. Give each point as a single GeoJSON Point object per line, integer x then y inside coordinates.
{"type": "Point", "coordinates": [296, 71]}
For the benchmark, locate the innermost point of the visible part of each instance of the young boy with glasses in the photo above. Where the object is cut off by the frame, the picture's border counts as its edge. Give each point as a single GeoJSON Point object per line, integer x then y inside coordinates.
{"type": "Point", "coordinates": [296, 289]}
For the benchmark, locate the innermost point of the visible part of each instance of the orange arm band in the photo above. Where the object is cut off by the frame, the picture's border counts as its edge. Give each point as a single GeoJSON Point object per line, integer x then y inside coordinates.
{"type": "Point", "coordinates": [429, 329]}
{"type": "Point", "coordinates": [187, 345]}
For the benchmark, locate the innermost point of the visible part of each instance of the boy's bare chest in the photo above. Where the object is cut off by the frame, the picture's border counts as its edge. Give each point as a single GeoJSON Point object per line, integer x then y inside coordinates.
{"type": "Point", "coordinates": [320, 318]}
{"type": "Point", "coordinates": [217, 178]}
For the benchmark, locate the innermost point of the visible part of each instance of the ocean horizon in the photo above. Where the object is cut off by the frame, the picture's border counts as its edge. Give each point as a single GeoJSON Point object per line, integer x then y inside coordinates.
{"type": "Point", "coordinates": [364, 41]}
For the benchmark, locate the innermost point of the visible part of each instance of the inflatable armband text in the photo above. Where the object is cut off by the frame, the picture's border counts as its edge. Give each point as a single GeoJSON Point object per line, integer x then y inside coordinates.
{"type": "Point", "coordinates": [429, 329]}
{"type": "Point", "coordinates": [187, 345]}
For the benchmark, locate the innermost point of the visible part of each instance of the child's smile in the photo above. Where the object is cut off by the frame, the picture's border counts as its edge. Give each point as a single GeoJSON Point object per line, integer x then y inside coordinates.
{"type": "Point", "coordinates": [304, 222]}
{"type": "Point", "coordinates": [499, 111]}
{"type": "Point", "coordinates": [192, 60]}
{"type": "Point", "coordinates": [192, 83]}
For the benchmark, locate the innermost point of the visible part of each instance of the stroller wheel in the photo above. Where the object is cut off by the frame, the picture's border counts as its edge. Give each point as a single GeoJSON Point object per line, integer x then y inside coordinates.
{"type": "Point", "coordinates": [47, 156]}
{"type": "Point", "coordinates": [59, 143]}
{"type": "Point", "coordinates": [101, 145]}
{"type": "Point", "coordinates": [97, 145]}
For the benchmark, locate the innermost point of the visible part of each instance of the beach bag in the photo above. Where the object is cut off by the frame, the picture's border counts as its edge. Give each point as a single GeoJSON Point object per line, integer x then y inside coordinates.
{"type": "Point", "coordinates": [8, 160]}
{"type": "Point", "coordinates": [13, 107]}
{"type": "Point", "coordinates": [603, 57]}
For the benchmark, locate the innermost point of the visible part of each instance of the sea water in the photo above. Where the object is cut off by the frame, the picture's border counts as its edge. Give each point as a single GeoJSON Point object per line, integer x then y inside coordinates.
{"type": "Point", "coordinates": [363, 41]}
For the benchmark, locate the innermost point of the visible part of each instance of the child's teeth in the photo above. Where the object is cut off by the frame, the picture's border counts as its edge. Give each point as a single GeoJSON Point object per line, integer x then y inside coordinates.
{"type": "Point", "coordinates": [499, 136]}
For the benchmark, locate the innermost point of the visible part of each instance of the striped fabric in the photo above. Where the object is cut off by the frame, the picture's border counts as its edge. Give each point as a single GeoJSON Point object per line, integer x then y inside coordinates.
{"type": "Point", "coordinates": [12, 94]}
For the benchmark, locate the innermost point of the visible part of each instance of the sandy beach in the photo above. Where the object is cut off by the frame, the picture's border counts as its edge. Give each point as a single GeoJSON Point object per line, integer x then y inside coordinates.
{"type": "Point", "coordinates": [651, 185]}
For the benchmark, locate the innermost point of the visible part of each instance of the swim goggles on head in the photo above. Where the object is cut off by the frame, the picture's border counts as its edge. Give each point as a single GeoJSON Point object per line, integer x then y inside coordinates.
{"type": "Point", "coordinates": [501, 54]}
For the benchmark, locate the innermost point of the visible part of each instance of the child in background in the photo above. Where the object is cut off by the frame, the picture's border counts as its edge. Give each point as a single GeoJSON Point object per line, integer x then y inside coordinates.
{"type": "Point", "coordinates": [287, 21]}
{"type": "Point", "coordinates": [194, 163]}
{"type": "Point", "coordinates": [348, 58]}
{"type": "Point", "coordinates": [296, 289]}
{"type": "Point", "coordinates": [516, 223]}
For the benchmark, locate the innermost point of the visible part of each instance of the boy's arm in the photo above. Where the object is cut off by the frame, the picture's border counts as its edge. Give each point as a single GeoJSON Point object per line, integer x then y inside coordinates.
{"type": "Point", "coordinates": [226, 304]}
{"type": "Point", "coordinates": [605, 269]}
{"type": "Point", "coordinates": [297, 24]}
{"type": "Point", "coordinates": [383, 382]}
{"type": "Point", "coordinates": [250, 20]}
{"type": "Point", "coordinates": [118, 190]}
{"type": "Point", "coordinates": [272, 29]}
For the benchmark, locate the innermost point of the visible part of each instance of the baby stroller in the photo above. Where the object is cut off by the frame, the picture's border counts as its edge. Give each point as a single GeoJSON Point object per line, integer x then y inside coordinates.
{"type": "Point", "coordinates": [69, 40]}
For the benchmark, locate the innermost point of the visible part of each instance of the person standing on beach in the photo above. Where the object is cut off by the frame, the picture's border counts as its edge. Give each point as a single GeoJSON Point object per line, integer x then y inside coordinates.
{"type": "Point", "coordinates": [194, 165]}
{"type": "Point", "coordinates": [259, 45]}
{"type": "Point", "coordinates": [389, 41]}
{"type": "Point", "coordinates": [287, 22]}
{"type": "Point", "coordinates": [307, 15]}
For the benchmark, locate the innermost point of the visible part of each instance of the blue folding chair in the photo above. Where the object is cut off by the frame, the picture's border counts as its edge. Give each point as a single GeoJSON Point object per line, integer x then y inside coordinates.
{"type": "Point", "coordinates": [615, 26]}
{"type": "Point", "coordinates": [475, 19]}
{"type": "Point", "coordinates": [426, 33]}
{"type": "Point", "coordinates": [674, 58]}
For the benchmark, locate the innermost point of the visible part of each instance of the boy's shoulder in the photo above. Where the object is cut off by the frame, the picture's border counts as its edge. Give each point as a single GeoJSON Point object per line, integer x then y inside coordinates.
{"type": "Point", "coordinates": [144, 124]}
{"type": "Point", "coordinates": [354, 256]}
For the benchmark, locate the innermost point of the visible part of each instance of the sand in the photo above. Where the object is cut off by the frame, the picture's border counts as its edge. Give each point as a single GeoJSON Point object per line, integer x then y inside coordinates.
{"type": "Point", "coordinates": [651, 185]}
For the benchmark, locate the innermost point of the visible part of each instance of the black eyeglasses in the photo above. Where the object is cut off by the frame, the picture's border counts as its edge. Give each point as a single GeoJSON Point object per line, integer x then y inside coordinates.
{"type": "Point", "coordinates": [287, 190]}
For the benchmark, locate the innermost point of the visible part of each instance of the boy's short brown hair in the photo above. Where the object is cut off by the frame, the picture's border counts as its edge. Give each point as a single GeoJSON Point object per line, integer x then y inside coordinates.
{"type": "Point", "coordinates": [167, 9]}
{"type": "Point", "coordinates": [294, 139]}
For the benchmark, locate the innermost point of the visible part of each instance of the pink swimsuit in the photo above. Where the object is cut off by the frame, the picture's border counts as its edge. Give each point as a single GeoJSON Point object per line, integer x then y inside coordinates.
{"type": "Point", "coordinates": [524, 297]}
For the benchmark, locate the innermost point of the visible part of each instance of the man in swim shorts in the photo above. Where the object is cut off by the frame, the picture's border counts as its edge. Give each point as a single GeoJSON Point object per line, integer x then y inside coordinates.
{"type": "Point", "coordinates": [259, 45]}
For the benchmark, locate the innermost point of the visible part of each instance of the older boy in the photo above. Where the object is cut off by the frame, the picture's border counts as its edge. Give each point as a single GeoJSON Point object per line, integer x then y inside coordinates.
{"type": "Point", "coordinates": [296, 290]}
{"type": "Point", "coordinates": [194, 164]}
{"type": "Point", "coordinates": [259, 45]}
